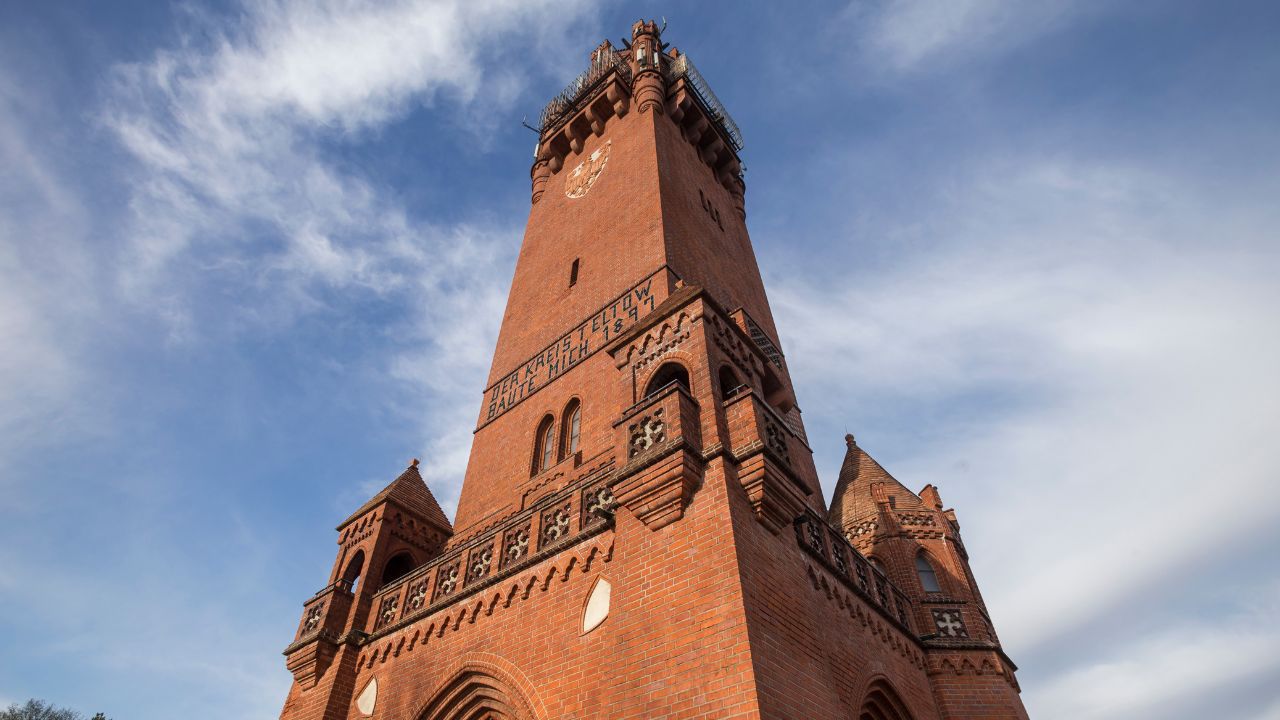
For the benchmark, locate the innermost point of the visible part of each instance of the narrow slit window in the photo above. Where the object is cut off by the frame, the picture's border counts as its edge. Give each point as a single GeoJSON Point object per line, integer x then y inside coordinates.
{"type": "Point", "coordinates": [573, 273]}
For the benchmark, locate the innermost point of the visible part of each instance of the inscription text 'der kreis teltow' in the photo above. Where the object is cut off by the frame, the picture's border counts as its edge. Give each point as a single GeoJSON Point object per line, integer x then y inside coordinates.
{"type": "Point", "coordinates": [570, 349]}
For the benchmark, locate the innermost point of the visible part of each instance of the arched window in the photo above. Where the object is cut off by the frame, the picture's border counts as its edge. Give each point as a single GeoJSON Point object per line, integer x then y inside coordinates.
{"type": "Point", "coordinates": [928, 578]}
{"type": "Point", "coordinates": [667, 374]}
{"type": "Point", "coordinates": [775, 393]}
{"type": "Point", "coordinates": [570, 428]}
{"type": "Point", "coordinates": [544, 445]}
{"type": "Point", "coordinates": [729, 382]}
{"type": "Point", "coordinates": [398, 566]}
{"type": "Point", "coordinates": [352, 574]}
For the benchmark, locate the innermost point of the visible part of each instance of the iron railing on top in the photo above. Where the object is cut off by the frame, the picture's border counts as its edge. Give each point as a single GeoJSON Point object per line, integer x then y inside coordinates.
{"type": "Point", "coordinates": [681, 67]}
{"type": "Point", "coordinates": [563, 104]}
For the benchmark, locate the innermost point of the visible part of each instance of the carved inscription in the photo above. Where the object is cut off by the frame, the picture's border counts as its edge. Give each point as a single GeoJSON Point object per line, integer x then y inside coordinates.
{"type": "Point", "coordinates": [570, 349]}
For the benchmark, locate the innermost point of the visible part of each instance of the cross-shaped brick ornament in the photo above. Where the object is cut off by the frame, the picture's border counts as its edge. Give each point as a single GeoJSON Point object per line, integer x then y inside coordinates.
{"type": "Point", "coordinates": [949, 623]}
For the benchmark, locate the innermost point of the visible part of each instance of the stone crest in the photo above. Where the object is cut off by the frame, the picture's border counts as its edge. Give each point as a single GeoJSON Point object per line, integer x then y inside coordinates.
{"type": "Point", "coordinates": [582, 177]}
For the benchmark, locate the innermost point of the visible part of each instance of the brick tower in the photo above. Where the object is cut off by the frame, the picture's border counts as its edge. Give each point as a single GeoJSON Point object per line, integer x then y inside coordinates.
{"type": "Point", "coordinates": [641, 532]}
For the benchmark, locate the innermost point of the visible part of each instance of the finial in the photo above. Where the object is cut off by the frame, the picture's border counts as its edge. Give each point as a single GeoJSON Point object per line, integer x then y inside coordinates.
{"type": "Point", "coordinates": [413, 463]}
{"type": "Point", "coordinates": [848, 440]}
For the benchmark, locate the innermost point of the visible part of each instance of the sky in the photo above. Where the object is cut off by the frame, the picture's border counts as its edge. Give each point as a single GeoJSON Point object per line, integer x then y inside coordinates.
{"type": "Point", "coordinates": [253, 256]}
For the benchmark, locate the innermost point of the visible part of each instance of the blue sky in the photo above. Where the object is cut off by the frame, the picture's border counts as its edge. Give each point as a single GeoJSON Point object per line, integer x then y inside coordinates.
{"type": "Point", "coordinates": [253, 257]}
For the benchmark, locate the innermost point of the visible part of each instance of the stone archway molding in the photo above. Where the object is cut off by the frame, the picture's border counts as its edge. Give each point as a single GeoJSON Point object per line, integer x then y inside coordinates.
{"type": "Point", "coordinates": [483, 686]}
{"type": "Point", "coordinates": [881, 702]}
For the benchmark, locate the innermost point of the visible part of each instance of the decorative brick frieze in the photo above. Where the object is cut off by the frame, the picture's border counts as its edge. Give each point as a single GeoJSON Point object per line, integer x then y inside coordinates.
{"type": "Point", "coordinates": [555, 525]}
{"type": "Point", "coordinates": [597, 505]}
{"type": "Point", "coordinates": [480, 562]}
{"type": "Point", "coordinates": [821, 541]}
{"type": "Point", "coordinates": [482, 600]}
{"type": "Point", "coordinates": [516, 543]}
{"type": "Point", "coordinates": [448, 578]}
{"type": "Point", "coordinates": [475, 564]}
{"type": "Point", "coordinates": [885, 628]}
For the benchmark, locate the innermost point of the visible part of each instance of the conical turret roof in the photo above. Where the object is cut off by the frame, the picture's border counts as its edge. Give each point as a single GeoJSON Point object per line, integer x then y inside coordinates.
{"type": "Point", "coordinates": [854, 497]}
{"type": "Point", "coordinates": [411, 493]}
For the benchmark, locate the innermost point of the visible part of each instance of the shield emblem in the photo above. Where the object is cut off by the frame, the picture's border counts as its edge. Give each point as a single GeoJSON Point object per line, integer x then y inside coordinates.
{"type": "Point", "coordinates": [584, 176]}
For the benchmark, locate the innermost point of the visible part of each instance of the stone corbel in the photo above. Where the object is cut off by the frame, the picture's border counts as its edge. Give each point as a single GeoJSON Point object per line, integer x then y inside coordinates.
{"type": "Point", "coordinates": [309, 661]}
{"type": "Point", "coordinates": [775, 499]}
{"type": "Point", "coordinates": [711, 151]}
{"type": "Point", "coordinates": [694, 131]}
{"type": "Point", "coordinates": [619, 97]}
{"type": "Point", "coordinates": [595, 120]}
{"type": "Point", "coordinates": [576, 134]}
{"type": "Point", "coordinates": [678, 106]}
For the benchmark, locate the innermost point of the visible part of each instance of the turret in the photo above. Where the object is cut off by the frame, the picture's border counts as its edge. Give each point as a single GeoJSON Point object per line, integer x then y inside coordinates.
{"type": "Point", "coordinates": [397, 530]}
{"type": "Point", "coordinates": [918, 545]}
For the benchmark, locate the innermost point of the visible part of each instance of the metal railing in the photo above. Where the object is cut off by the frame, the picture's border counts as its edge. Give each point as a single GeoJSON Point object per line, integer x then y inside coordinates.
{"type": "Point", "coordinates": [566, 102]}
{"type": "Point", "coordinates": [682, 67]}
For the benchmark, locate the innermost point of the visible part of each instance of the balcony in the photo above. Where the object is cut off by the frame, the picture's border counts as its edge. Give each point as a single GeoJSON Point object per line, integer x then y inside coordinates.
{"type": "Point", "coordinates": [662, 435]}
{"type": "Point", "coordinates": [833, 551]}
{"type": "Point", "coordinates": [552, 524]}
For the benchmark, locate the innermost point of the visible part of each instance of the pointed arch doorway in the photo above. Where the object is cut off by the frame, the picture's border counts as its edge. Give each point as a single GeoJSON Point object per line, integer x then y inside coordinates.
{"type": "Point", "coordinates": [480, 691]}
{"type": "Point", "coordinates": [882, 703]}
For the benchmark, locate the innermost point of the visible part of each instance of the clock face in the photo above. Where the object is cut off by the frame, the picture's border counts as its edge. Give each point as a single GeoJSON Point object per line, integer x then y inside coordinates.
{"type": "Point", "coordinates": [588, 171]}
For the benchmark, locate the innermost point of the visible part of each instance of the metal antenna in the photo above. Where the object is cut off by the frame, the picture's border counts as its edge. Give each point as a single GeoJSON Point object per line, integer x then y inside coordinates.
{"type": "Point", "coordinates": [525, 122]}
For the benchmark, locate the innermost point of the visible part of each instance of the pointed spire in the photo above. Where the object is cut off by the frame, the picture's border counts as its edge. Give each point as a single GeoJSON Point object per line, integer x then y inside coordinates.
{"type": "Point", "coordinates": [410, 492]}
{"type": "Point", "coordinates": [861, 480]}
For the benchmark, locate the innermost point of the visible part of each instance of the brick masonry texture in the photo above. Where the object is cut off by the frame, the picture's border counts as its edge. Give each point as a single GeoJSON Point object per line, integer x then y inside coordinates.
{"type": "Point", "coordinates": [691, 488]}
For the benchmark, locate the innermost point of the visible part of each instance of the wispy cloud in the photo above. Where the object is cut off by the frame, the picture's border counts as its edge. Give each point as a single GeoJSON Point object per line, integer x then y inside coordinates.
{"type": "Point", "coordinates": [905, 35]}
{"type": "Point", "coordinates": [1179, 662]}
{"type": "Point", "coordinates": [1107, 317]}
{"type": "Point", "coordinates": [232, 135]}
{"type": "Point", "coordinates": [230, 129]}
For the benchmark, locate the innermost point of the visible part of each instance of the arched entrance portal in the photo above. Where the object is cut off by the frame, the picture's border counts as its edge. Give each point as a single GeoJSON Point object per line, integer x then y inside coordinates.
{"type": "Point", "coordinates": [882, 703]}
{"type": "Point", "coordinates": [475, 694]}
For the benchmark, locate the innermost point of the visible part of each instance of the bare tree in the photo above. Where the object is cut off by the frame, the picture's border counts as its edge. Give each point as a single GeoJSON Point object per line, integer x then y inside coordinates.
{"type": "Point", "coordinates": [41, 710]}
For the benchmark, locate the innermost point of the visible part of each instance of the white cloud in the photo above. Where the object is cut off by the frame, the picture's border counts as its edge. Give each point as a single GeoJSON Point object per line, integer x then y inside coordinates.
{"type": "Point", "coordinates": [1085, 347]}
{"type": "Point", "coordinates": [1179, 662]}
{"type": "Point", "coordinates": [903, 35]}
{"type": "Point", "coordinates": [233, 180]}
{"type": "Point", "coordinates": [45, 291]}
{"type": "Point", "coordinates": [229, 135]}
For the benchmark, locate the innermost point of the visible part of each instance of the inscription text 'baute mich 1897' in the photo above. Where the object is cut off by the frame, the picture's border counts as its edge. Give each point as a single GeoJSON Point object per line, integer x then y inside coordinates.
{"type": "Point", "coordinates": [570, 349]}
